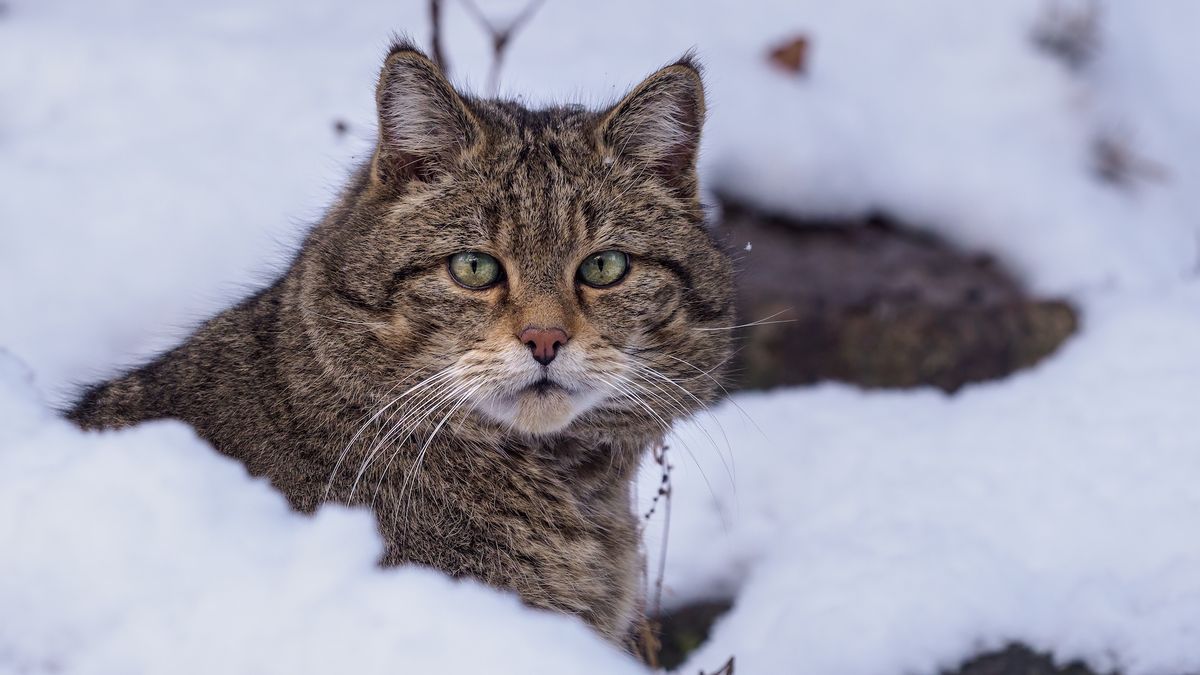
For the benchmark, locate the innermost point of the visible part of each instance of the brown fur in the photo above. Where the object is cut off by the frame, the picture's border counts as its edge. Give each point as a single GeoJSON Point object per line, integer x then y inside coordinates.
{"type": "Point", "coordinates": [326, 382]}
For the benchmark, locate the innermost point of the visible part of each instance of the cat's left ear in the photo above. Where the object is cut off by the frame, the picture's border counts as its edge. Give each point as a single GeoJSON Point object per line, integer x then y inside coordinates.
{"type": "Point", "coordinates": [424, 124]}
{"type": "Point", "coordinates": [658, 124]}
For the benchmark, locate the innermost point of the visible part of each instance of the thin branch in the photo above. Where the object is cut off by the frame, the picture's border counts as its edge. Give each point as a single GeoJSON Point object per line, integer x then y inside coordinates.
{"type": "Point", "coordinates": [726, 669]}
{"type": "Point", "coordinates": [650, 627]}
{"type": "Point", "coordinates": [663, 496]}
{"type": "Point", "coordinates": [435, 46]}
{"type": "Point", "coordinates": [501, 35]}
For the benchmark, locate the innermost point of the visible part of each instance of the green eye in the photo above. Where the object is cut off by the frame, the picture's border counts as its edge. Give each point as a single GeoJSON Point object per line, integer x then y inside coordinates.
{"type": "Point", "coordinates": [604, 268]}
{"type": "Point", "coordinates": [475, 270]}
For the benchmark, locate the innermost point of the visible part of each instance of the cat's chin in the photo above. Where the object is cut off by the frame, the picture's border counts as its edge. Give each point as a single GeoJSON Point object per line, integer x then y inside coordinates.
{"type": "Point", "coordinates": [537, 410]}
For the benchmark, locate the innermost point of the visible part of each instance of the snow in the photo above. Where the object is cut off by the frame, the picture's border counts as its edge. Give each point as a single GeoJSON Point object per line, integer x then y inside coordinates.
{"type": "Point", "coordinates": [1056, 508]}
{"type": "Point", "coordinates": [143, 551]}
{"type": "Point", "coordinates": [162, 158]}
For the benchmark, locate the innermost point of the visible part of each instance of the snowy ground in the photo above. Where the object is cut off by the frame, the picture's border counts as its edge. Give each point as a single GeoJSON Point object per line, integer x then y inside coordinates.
{"type": "Point", "coordinates": [159, 158]}
{"type": "Point", "coordinates": [899, 532]}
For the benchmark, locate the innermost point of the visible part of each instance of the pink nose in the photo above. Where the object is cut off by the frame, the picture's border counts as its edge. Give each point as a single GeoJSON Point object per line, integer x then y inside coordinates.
{"type": "Point", "coordinates": [544, 342]}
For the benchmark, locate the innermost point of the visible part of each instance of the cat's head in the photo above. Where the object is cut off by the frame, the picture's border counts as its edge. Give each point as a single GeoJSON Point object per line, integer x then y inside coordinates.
{"type": "Point", "coordinates": [544, 270]}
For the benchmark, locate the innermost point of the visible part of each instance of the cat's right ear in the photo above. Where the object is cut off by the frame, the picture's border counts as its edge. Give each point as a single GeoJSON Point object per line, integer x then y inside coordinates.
{"type": "Point", "coordinates": [423, 122]}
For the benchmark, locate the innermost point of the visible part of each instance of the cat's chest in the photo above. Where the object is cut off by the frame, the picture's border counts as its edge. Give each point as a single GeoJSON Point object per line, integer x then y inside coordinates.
{"type": "Point", "coordinates": [517, 526]}
{"type": "Point", "coordinates": [505, 505]}
{"type": "Point", "coordinates": [561, 539]}
{"type": "Point", "coordinates": [533, 538]}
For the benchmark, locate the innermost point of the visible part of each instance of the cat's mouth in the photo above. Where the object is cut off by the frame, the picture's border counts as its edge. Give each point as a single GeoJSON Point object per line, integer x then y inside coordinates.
{"type": "Point", "coordinates": [540, 407]}
{"type": "Point", "coordinates": [545, 387]}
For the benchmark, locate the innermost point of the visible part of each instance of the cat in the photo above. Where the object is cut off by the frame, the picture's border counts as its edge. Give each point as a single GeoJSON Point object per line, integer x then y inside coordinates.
{"type": "Point", "coordinates": [504, 309]}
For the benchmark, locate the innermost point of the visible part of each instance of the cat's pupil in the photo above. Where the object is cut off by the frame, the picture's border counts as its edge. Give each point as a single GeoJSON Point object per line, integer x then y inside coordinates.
{"type": "Point", "coordinates": [474, 267]}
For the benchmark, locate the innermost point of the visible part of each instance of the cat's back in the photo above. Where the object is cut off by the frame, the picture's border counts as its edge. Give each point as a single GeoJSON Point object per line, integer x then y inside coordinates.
{"type": "Point", "coordinates": [225, 380]}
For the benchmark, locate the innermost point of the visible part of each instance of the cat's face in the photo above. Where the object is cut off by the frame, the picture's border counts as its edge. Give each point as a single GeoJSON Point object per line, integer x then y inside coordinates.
{"type": "Point", "coordinates": [539, 270]}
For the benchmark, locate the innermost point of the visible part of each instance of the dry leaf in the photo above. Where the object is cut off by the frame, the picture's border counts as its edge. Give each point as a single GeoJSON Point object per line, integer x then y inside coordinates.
{"type": "Point", "coordinates": [791, 55]}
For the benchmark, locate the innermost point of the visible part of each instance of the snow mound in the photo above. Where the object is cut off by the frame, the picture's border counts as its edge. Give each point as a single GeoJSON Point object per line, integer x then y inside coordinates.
{"type": "Point", "coordinates": [144, 551]}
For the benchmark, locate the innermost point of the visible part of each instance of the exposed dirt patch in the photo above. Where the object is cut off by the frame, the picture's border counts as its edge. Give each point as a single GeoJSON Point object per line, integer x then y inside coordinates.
{"type": "Point", "coordinates": [877, 304]}
{"type": "Point", "coordinates": [688, 627]}
{"type": "Point", "coordinates": [682, 631]}
{"type": "Point", "coordinates": [1018, 660]}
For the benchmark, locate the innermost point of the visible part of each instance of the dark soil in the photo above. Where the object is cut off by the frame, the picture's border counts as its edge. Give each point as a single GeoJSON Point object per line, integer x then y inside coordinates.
{"type": "Point", "coordinates": [1018, 660]}
{"type": "Point", "coordinates": [877, 304]}
{"type": "Point", "coordinates": [682, 631]}
{"type": "Point", "coordinates": [685, 629]}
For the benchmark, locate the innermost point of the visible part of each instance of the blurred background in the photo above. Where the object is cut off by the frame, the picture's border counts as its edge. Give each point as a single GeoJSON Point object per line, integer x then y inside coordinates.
{"type": "Point", "coordinates": [967, 237]}
{"type": "Point", "coordinates": [925, 181]}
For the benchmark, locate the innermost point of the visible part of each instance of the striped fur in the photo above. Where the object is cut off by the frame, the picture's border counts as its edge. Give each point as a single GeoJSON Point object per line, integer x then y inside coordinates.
{"type": "Point", "coordinates": [366, 375]}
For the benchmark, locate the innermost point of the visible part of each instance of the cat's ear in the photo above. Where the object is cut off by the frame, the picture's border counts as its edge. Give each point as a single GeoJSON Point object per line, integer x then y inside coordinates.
{"type": "Point", "coordinates": [658, 124]}
{"type": "Point", "coordinates": [423, 122]}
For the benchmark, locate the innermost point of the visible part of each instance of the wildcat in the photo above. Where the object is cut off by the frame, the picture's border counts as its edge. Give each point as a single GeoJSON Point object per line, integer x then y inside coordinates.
{"type": "Point", "coordinates": [503, 310]}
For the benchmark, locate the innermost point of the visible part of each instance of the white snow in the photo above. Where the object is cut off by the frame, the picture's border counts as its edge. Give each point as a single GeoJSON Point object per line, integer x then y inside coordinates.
{"type": "Point", "coordinates": [899, 532]}
{"type": "Point", "coordinates": [144, 551]}
{"type": "Point", "coordinates": [161, 158]}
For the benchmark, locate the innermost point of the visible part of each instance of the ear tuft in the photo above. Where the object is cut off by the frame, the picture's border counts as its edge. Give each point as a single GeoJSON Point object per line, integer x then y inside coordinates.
{"type": "Point", "coordinates": [402, 43]}
{"type": "Point", "coordinates": [423, 122]}
{"type": "Point", "coordinates": [659, 122]}
{"type": "Point", "coordinates": [692, 61]}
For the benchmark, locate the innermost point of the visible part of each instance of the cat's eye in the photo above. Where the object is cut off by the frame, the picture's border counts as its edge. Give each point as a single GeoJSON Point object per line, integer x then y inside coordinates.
{"type": "Point", "coordinates": [604, 268]}
{"type": "Point", "coordinates": [475, 270]}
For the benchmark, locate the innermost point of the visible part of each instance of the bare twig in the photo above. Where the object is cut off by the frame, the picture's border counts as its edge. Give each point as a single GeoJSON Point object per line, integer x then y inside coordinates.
{"type": "Point", "coordinates": [664, 487]}
{"type": "Point", "coordinates": [663, 496]}
{"type": "Point", "coordinates": [501, 35]}
{"type": "Point", "coordinates": [435, 40]}
{"type": "Point", "coordinates": [649, 628]}
{"type": "Point", "coordinates": [662, 556]}
{"type": "Point", "coordinates": [726, 669]}
{"type": "Point", "coordinates": [1116, 161]}
{"type": "Point", "coordinates": [1070, 33]}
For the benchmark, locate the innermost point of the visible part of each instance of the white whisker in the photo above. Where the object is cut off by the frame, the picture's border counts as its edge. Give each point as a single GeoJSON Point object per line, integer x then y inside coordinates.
{"type": "Point", "coordinates": [616, 383]}
{"type": "Point", "coordinates": [341, 457]}
{"type": "Point", "coordinates": [407, 486]}
{"type": "Point", "coordinates": [701, 407]}
{"type": "Point", "coordinates": [765, 321]}
{"type": "Point", "coordinates": [435, 393]}
{"type": "Point", "coordinates": [728, 395]}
